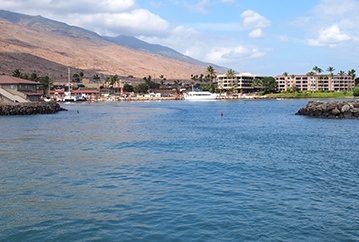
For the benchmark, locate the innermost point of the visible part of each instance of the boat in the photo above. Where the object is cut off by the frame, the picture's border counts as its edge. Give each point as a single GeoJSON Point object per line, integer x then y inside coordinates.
{"type": "Point", "coordinates": [68, 95]}
{"type": "Point", "coordinates": [199, 96]}
{"type": "Point", "coordinates": [69, 98]}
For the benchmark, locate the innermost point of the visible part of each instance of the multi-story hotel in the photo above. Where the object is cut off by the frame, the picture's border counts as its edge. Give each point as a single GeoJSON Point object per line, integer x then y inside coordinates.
{"type": "Point", "coordinates": [315, 82]}
{"type": "Point", "coordinates": [241, 82]}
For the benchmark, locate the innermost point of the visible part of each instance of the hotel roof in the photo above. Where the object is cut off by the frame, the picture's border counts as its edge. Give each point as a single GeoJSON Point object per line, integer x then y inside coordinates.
{"type": "Point", "coordinates": [11, 80]}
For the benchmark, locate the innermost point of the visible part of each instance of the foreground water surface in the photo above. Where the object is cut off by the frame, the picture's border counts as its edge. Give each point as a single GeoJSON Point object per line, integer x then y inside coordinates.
{"type": "Point", "coordinates": [179, 171]}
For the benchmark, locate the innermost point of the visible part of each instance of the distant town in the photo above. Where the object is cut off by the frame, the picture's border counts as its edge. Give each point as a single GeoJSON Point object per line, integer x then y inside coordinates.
{"type": "Point", "coordinates": [22, 87]}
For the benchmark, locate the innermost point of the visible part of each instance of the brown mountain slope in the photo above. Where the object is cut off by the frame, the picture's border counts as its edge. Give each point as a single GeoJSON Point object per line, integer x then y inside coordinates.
{"type": "Point", "coordinates": [50, 54]}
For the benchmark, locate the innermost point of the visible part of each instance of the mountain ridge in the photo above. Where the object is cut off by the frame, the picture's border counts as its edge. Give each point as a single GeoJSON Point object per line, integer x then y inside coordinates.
{"type": "Point", "coordinates": [33, 43]}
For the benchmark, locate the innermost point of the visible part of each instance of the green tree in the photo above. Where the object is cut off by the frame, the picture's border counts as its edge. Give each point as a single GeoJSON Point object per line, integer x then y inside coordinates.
{"type": "Point", "coordinates": [257, 83]}
{"type": "Point", "coordinates": [76, 78]}
{"type": "Point", "coordinates": [128, 88]}
{"type": "Point", "coordinates": [352, 73]}
{"type": "Point", "coordinates": [113, 80]}
{"type": "Point", "coordinates": [211, 72]}
{"type": "Point", "coordinates": [231, 74]}
{"type": "Point", "coordinates": [331, 70]}
{"type": "Point", "coordinates": [141, 88]}
{"type": "Point", "coordinates": [17, 73]}
{"type": "Point", "coordinates": [81, 74]}
{"type": "Point", "coordinates": [269, 85]}
{"type": "Point", "coordinates": [317, 69]}
{"type": "Point", "coordinates": [356, 91]}
{"type": "Point", "coordinates": [33, 77]}
{"type": "Point", "coordinates": [46, 83]}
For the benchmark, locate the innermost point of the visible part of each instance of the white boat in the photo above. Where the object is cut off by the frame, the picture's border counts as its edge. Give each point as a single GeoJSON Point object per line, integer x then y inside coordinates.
{"type": "Point", "coordinates": [68, 96]}
{"type": "Point", "coordinates": [199, 96]}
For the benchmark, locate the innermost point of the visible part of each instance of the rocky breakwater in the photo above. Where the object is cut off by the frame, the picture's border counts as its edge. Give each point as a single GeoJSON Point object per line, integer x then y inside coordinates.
{"type": "Point", "coordinates": [332, 109]}
{"type": "Point", "coordinates": [30, 108]}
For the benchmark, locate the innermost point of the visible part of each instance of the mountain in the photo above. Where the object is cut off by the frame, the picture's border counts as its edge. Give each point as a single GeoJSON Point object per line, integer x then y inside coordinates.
{"type": "Point", "coordinates": [48, 47]}
{"type": "Point", "coordinates": [136, 44]}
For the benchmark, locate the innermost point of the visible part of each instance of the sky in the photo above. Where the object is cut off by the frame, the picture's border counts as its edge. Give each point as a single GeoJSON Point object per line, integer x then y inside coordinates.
{"type": "Point", "coordinates": [263, 37]}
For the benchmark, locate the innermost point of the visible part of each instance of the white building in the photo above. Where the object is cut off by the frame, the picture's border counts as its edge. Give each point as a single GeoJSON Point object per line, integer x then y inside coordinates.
{"type": "Point", "coordinates": [241, 82]}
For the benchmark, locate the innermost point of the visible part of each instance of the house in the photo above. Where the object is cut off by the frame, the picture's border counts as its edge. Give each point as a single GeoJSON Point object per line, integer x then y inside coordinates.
{"type": "Point", "coordinates": [13, 89]}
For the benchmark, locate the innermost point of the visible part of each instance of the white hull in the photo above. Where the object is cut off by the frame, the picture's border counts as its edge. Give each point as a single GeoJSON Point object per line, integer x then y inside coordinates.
{"type": "Point", "coordinates": [199, 96]}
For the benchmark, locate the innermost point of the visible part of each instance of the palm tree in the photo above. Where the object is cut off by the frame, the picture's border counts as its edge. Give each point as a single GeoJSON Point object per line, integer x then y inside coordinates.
{"type": "Point", "coordinates": [331, 70]}
{"type": "Point", "coordinates": [352, 73]}
{"type": "Point", "coordinates": [96, 78]}
{"type": "Point", "coordinates": [211, 72]}
{"type": "Point", "coordinates": [257, 83]}
{"type": "Point", "coordinates": [17, 73]}
{"type": "Point", "coordinates": [231, 74]}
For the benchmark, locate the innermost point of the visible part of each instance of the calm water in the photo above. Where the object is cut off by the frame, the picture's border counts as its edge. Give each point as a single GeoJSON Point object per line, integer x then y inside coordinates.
{"type": "Point", "coordinates": [178, 171]}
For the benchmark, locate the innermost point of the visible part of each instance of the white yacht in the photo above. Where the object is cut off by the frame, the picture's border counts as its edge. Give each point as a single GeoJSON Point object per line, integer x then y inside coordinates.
{"type": "Point", "coordinates": [199, 96]}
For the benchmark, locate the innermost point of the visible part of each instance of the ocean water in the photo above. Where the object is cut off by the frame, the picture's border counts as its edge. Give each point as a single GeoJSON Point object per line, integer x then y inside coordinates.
{"type": "Point", "coordinates": [179, 171]}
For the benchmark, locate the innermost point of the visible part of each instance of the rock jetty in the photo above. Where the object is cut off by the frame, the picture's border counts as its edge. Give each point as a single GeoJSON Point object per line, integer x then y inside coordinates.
{"type": "Point", "coordinates": [30, 108]}
{"type": "Point", "coordinates": [332, 109]}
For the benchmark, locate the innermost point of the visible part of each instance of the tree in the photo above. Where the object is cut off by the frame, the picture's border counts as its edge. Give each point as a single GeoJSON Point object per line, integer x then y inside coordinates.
{"type": "Point", "coordinates": [231, 74]}
{"type": "Point", "coordinates": [17, 73]}
{"type": "Point", "coordinates": [269, 85]}
{"type": "Point", "coordinates": [341, 73]}
{"type": "Point", "coordinates": [45, 82]}
{"type": "Point", "coordinates": [33, 77]}
{"type": "Point", "coordinates": [141, 88]}
{"type": "Point", "coordinates": [316, 69]}
{"type": "Point", "coordinates": [75, 77]}
{"type": "Point", "coordinates": [331, 70]}
{"type": "Point", "coordinates": [356, 91]}
{"type": "Point", "coordinates": [113, 80]}
{"type": "Point", "coordinates": [257, 83]}
{"type": "Point", "coordinates": [211, 72]}
{"type": "Point", "coordinates": [128, 88]}
{"type": "Point", "coordinates": [81, 76]}
{"type": "Point", "coordinates": [352, 73]}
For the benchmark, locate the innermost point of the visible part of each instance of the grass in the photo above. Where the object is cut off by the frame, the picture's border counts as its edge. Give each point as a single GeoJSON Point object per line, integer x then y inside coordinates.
{"type": "Point", "coordinates": [311, 95]}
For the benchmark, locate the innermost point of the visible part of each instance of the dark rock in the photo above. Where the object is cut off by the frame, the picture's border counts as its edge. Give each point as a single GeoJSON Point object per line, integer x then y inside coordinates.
{"type": "Point", "coordinates": [30, 108]}
{"type": "Point", "coordinates": [334, 109]}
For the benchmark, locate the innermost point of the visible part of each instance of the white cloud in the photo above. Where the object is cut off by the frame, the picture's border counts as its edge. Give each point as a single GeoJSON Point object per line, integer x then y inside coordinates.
{"type": "Point", "coordinates": [333, 22]}
{"type": "Point", "coordinates": [227, 55]}
{"type": "Point", "coordinates": [107, 17]}
{"type": "Point", "coordinates": [254, 20]}
{"type": "Point", "coordinates": [256, 33]}
{"type": "Point", "coordinates": [330, 36]}
{"type": "Point", "coordinates": [228, 1]}
{"type": "Point", "coordinates": [45, 7]}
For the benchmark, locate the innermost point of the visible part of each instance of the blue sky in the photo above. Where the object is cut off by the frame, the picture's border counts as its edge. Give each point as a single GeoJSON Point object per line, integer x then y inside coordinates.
{"type": "Point", "coordinates": [266, 37]}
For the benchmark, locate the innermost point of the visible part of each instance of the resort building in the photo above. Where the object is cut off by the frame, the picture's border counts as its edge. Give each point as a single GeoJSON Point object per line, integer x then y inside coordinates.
{"type": "Point", "coordinates": [13, 89]}
{"type": "Point", "coordinates": [315, 82]}
{"type": "Point", "coordinates": [241, 82]}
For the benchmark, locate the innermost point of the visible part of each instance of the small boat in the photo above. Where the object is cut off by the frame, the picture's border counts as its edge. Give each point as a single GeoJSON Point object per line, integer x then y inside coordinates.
{"type": "Point", "coordinates": [199, 96]}
{"type": "Point", "coordinates": [69, 98]}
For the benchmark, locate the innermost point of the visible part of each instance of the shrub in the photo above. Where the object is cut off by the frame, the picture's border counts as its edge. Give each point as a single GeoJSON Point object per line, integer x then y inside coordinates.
{"type": "Point", "coordinates": [356, 91]}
